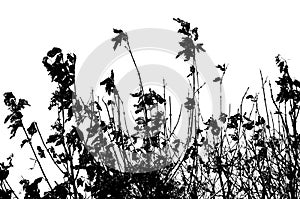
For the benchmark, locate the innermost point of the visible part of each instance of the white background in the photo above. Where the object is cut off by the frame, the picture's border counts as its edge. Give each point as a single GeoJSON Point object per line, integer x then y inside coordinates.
{"type": "Point", "coordinates": [245, 34]}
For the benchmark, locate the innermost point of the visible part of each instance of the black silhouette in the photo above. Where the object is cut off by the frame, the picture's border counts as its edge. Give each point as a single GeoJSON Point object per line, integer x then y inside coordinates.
{"type": "Point", "coordinates": [254, 154]}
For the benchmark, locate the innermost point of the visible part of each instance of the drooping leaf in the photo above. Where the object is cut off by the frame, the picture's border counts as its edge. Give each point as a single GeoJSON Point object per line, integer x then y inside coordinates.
{"type": "Point", "coordinates": [24, 142]}
{"type": "Point", "coordinates": [119, 38]}
{"type": "Point", "coordinates": [22, 103]}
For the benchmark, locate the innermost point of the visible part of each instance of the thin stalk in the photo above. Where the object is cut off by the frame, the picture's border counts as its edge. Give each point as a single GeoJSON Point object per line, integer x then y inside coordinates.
{"type": "Point", "coordinates": [44, 144]}
{"type": "Point", "coordinates": [140, 79]}
{"type": "Point", "coordinates": [36, 157]}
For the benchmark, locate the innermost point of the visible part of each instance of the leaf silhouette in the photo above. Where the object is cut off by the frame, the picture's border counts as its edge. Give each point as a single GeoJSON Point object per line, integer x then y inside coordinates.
{"type": "Point", "coordinates": [221, 67]}
{"type": "Point", "coordinates": [98, 106]}
{"type": "Point", "coordinates": [54, 52]}
{"type": "Point", "coordinates": [188, 45]}
{"type": "Point", "coordinates": [32, 129]}
{"type": "Point", "coordinates": [137, 94]}
{"type": "Point", "coordinates": [121, 36]}
{"type": "Point", "coordinates": [200, 48]}
{"type": "Point", "coordinates": [185, 26]}
{"type": "Point", "coordinates": [117, 31]}
{"type": "Point", "coordinates": [24, 142]}
{"type": "Point", "coordinates": [217, 79]}
{"type": "Point", "coordinates": [189, 104]}
{"type": "Point", "coordinates": [41, 152]}
{"type": "Point", "coordinates": [109, 83]}
{"type": "Point", "coordinates": [9, 99]}
{"type": "Point", "coordinates": [249, 97]}
{"type": "Point", "coordinates": [195, 33]}
{"type": "Point", "coordinates": [7, 118]}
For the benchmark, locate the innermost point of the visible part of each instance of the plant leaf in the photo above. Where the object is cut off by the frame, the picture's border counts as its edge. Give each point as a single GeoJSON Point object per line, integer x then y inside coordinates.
{"type": "Point", "coordinates": [217, 79]}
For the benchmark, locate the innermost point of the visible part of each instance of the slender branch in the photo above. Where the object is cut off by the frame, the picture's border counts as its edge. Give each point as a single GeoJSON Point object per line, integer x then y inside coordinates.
{"type": "Point", "coordinates": [36, 157]}
{"type": "Point", "coordinates": [140, 79]}
{"type": "Point", "coordinates": [44, 144]}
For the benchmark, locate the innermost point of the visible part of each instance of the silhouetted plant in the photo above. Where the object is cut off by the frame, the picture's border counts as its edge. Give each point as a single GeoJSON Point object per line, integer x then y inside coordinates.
{"type": "Point", "coordinates": [254, 152]}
